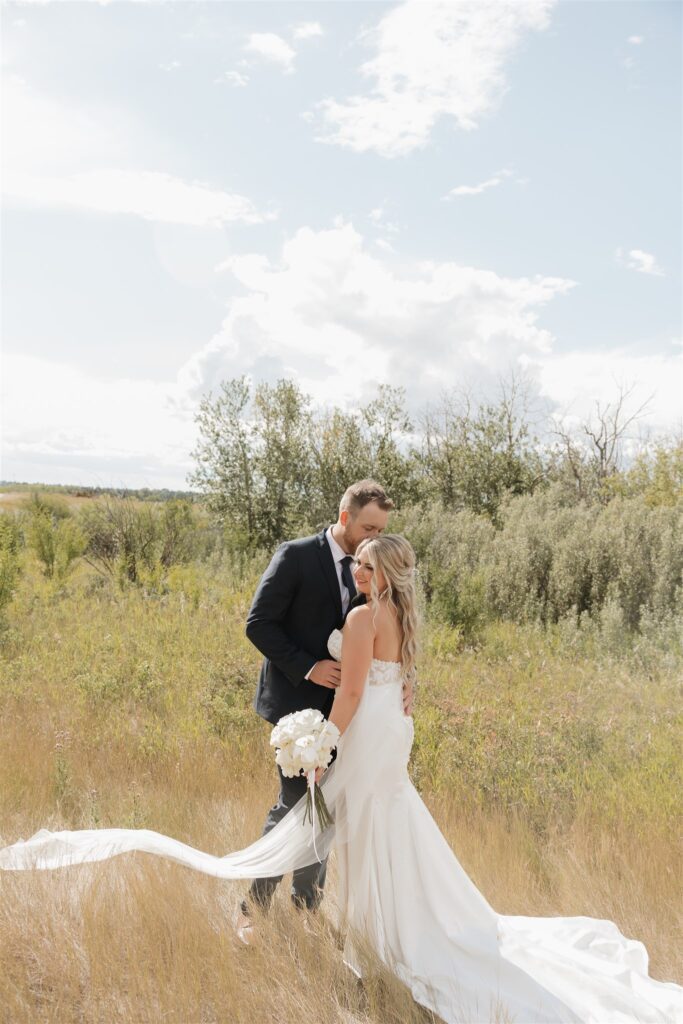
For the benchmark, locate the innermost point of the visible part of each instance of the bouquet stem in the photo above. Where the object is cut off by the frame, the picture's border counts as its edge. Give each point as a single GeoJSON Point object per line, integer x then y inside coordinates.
{"type": "Point", "coordinates": [322, 812]}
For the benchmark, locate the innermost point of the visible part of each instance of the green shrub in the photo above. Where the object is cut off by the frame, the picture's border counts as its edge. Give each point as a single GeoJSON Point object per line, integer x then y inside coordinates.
{"type": "Point", "coordinates": [551, 561]}
{"type": "Point", "coordinates": [10, 539]}
{"type": "Point", "coordinates": [134, 542]}
{"type": "Point", "coordinates": [452, 551]}
{"type": "Point", "coordinates": [57, 543]}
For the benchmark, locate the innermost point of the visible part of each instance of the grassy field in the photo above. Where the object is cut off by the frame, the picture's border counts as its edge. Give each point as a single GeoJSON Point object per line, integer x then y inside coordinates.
{"type": "Point", "coordinates": [552, 769]}
{"type": "Point", "coordinates": [16, 501]}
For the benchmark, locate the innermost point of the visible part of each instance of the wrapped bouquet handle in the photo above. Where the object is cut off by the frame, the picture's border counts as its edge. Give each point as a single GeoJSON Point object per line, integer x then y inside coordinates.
{"type": "Point", "coordinates": [304, 741]}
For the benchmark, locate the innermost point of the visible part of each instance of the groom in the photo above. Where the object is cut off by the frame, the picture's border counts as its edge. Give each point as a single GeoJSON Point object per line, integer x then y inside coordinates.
{"type": "Point", "coordinates": [305, 594]}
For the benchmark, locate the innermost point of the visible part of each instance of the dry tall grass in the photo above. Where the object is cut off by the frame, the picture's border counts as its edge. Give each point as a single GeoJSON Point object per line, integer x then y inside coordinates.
{"type": "Point", "coordinates": [121, 709]}
{"type": "Point", "coordinates": [17, 501]}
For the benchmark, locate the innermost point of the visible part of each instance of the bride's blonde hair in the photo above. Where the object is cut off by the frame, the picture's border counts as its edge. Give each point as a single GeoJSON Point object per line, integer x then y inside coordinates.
{"type": "Point", "coordinates": [394, 556]}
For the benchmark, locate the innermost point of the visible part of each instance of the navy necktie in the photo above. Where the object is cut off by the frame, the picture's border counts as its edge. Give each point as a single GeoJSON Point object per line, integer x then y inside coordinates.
{"type": "Point", "coordinates": [347, 578]}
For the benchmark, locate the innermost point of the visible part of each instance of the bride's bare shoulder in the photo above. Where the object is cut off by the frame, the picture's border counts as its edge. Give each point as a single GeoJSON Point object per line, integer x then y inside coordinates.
{"type": "Point", "coordinates": [360, 620]}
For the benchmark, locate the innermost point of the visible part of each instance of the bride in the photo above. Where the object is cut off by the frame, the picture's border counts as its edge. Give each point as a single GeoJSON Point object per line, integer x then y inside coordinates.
{"type": "Point", "coordinates": [401, 888]}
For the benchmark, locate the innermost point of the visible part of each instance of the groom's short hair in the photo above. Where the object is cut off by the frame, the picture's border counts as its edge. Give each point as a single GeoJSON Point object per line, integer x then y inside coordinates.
{"type": "Point", "coordinates": [360, 494]}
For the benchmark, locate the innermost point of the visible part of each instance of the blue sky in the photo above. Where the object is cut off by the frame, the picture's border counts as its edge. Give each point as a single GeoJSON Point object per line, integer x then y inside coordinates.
{"type": "Point", "coordinates": [427, 194]}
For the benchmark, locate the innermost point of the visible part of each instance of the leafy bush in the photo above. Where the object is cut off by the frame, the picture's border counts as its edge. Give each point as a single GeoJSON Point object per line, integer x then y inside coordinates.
{"type": "Point", "coordinates": [137, 543]}
{"type": "Point", "coordinates": [636, 557]}
{"type": "Point", "coordinates": [551, 561]}
{"type": "Point", "coordinates": [452, 549]}
{"type": "Point", "coordinates": [53, 534]}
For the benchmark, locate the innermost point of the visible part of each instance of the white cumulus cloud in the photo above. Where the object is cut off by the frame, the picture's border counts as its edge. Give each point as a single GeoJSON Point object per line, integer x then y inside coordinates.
{"type": "Point", "coordinates": [339, 316]}
{"type": "Point", "coordinates": [444, 58]}
{"type": "Point", "coordinates": [334, 315]}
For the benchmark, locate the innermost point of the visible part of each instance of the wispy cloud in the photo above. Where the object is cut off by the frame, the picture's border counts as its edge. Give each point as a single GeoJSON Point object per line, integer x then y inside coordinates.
{"type": "Point", "coordinates": [629, 61]}
{"type": "Point", "coordinates": [235, 78]}
{"type": "Point", "coordinates": [475, 190]}
{"type": "Point", "coordinates": [307, 30]}
{"type": "Point", "coordinates": [57, 155]}
{"type": "Point", "coordinates": [440, 59]}
{"type": "Point", "coordinates": [637, 259]}
{"type": "Point", "coordinates": [152, 195]}
{"type": "Point", "coordinates": [377, 216]}
{"type": "Point", "coordinates": [273, 48]}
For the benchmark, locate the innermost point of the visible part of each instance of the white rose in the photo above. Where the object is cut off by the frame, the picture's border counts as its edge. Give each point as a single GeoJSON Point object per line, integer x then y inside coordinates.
{"type": "Point", "coordinates": [288, 770]}
{"type": "Point", "coordinates": [330, 734]}
{"type": "Point", "coordinates": [308, 759]}
{"type": "Point", "coordinates": [309, 717]}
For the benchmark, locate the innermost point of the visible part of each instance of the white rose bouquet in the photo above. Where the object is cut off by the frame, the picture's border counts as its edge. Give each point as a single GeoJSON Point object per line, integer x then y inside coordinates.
{"type": "Point", "coordinates": [304, 742]}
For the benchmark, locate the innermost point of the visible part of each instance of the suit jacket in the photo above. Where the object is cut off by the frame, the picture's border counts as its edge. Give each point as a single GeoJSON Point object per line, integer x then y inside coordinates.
{"type": "Point", "coordinates": [296, 606]}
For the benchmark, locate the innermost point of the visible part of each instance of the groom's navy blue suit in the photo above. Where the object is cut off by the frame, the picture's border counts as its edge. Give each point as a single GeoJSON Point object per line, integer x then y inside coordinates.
{"type": "Point", "coordinates": [297, 605]}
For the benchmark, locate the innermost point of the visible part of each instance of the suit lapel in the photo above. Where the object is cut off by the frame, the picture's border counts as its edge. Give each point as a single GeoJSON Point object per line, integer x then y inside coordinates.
{"type": "Point", "coordinates": [330, 572]}
{"type": "Point", "coordinates": [359, 599]}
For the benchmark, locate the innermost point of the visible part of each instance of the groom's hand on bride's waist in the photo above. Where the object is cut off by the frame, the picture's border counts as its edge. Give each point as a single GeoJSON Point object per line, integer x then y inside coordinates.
{"type": "Point", "coordinates": [408, 698]}
{"type": "Point", "coordinates": [326, 673]}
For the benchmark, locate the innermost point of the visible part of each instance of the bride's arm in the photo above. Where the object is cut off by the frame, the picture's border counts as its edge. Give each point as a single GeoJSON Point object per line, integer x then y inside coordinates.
{"type": "Point", "coordinates": [358, 640]}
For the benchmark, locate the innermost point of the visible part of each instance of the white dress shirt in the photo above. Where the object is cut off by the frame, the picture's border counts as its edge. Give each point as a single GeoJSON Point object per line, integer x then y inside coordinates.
{"type": "Point", "coordinates": [337, 554]}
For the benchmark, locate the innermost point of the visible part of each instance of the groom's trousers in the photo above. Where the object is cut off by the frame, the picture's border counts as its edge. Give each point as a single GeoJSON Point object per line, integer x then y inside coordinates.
{"type": "Point", "coordinates": [308, 882]}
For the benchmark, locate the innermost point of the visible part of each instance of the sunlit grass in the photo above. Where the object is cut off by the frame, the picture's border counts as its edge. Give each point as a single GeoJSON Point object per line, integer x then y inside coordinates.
{"type": "Point", "coordinates": [555, 778]}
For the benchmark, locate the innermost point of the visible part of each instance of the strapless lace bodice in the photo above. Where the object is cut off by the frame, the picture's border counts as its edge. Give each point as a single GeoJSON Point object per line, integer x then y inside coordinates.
{"type": "Point", "coordinates": [381, 672]}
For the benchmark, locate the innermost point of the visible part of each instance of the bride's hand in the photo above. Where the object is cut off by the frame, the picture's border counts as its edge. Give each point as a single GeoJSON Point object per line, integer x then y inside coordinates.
{"type": "Point", "coordinates": [319, 772]}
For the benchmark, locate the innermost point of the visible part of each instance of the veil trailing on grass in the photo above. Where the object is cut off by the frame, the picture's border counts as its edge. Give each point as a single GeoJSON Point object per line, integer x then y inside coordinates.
{"type": "Point", "coordinates": [285, 848]}
{"type": "Point", "coordinates": [291, 844]}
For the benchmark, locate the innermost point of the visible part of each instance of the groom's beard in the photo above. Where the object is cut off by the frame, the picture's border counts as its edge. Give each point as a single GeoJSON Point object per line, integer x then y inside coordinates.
{"type": "Point", "coordinates": [348, 544]}
{"type": "Point", "coordinates": [351, 542]}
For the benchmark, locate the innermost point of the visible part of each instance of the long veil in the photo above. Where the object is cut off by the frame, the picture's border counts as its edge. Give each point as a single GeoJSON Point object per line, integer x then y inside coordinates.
{"type": "Point", "coordinates": [291, 844]}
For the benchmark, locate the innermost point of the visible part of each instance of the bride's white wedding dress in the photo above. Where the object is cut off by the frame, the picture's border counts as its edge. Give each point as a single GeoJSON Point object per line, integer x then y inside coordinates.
{"type": "Point", "coordinates": [402, 889]}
